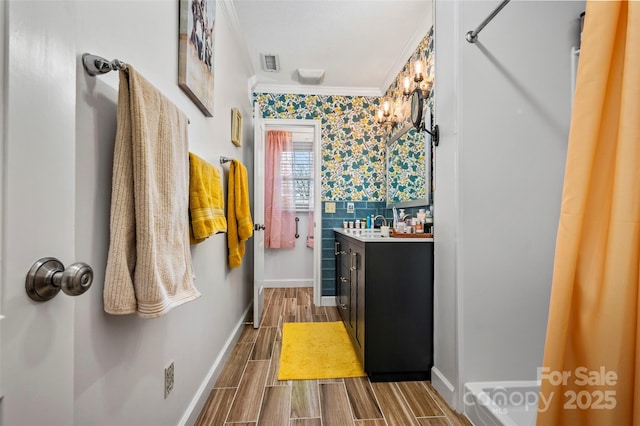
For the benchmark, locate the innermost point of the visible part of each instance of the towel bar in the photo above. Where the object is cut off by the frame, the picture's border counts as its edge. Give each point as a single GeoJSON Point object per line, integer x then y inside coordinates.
{"type": "Point", "coordinates": [95, 65]}
{"type": "Point", "coordinates": [224, 159]}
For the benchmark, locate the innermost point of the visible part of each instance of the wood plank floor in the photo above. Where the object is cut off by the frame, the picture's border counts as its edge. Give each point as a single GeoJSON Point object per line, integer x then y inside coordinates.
{"type": "Point", "coordinates": [249, 393]}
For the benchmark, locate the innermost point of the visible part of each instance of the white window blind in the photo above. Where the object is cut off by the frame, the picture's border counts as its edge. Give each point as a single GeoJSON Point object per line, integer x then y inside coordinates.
{"type": "Point", "coordinates": [297, 172]}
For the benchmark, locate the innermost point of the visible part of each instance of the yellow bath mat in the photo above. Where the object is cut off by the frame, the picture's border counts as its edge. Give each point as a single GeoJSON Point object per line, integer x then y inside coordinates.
{"type": "Point", "coordinates": [317, 350]}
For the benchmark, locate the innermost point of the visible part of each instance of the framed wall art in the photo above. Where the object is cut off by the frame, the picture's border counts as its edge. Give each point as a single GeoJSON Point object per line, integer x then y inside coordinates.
{"type": "Point", "coordinates": [196, 52]}
{"type": "Point", "coordinates": [236, 127]}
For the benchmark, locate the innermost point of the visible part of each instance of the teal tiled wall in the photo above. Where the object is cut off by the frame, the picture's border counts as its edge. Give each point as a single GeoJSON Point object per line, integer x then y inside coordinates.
{"type": "Point", "coordinates": [334, 220]}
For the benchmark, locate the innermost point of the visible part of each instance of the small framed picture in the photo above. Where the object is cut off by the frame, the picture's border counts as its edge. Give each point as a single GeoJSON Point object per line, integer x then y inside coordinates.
{"type": "Point", "coordinates": [236, 127]}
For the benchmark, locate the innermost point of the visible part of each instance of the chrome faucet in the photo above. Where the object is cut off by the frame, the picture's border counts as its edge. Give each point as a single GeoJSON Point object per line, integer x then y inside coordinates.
{"type": "Point", "coordinates": [384, 220]}
{"type": "Point", "coordinates": [406, 216]}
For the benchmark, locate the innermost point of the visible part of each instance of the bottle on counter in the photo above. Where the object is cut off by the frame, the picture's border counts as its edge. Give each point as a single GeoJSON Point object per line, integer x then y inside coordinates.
{"type": "Point", "coordinates": [395, 218]}
{"type": "Point", "coordinates": [428, 222]}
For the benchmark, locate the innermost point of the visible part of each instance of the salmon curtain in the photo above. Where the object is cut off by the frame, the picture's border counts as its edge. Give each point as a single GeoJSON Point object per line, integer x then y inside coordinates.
{"type": "Point", "coordinates": [279, 203]}
{"type": "Point", "coordinates": [591, 368]}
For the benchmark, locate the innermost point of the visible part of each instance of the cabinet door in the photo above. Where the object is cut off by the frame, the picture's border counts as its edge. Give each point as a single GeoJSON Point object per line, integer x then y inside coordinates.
{"type": "Point", "coordinates": [336, 252]}
{"type": "Point", "coordinates": [359, 296]}
{"type": "Point", "coordinates": [353, 281]}
{"type": "Point", "coordinates": [343, 291]}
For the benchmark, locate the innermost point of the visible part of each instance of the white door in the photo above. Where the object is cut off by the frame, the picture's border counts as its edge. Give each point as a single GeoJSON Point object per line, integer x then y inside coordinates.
{"type": "Point", "coordinates": [258, 213]}
{"type": "Point", "coordinates": [38, 204]}
{"type": "Point", "coordinates": [260, 128]}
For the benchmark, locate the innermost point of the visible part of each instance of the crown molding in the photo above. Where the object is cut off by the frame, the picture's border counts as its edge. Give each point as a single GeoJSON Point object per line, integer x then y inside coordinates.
{"type": "Point", "coordinates": [408, 50]}
{"type": "Point", "coordinates": [251, 83]}
{"type": "Point", "coordinates": [229, 11]}
{"type": "Point", "coordinates": [299, 89]}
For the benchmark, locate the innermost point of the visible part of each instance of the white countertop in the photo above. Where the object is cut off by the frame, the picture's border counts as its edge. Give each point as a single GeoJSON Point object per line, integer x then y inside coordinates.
{"type": "Point", "coordinates": [374, 236]}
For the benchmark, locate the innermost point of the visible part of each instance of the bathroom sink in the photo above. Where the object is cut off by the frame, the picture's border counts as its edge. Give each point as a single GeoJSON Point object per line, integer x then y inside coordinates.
{"type": "Point", "coordinates": [374, 235]}
{"type": "Point", "coordinates": [365, 232]}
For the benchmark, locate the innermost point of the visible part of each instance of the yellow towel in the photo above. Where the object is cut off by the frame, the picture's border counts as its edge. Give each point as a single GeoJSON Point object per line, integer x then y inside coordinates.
{"type": "Point", "coordinates": [149, 262]}
{"type": "Point", "coordinates": [206, 203]}
{"type": "Point", "coordinates": [240, 223]}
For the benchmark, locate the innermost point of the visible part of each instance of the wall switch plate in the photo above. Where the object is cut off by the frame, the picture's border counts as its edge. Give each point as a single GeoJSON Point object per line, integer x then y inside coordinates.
{"type": "Point", "coordinates": [329, 207]}
{"type": "Point", "coordinates": [351, 208]}
{"type": "Point", "coordinates": [168, 379]}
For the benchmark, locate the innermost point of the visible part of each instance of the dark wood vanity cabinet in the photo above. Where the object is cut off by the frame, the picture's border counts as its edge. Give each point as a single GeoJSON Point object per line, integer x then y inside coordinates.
{"type": "Point", "coordinates": [385, 298]}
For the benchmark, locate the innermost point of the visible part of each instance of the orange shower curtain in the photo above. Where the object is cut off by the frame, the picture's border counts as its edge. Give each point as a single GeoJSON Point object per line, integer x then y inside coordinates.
{"type": "Point", "coordinates": [591, 368]}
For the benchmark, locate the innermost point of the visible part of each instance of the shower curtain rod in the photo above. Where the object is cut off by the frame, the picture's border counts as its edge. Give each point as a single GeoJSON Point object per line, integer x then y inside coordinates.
{"type": "Point", "coordinates": [95, 65]}
{"type": "Point", "coordinates": [472, 36]}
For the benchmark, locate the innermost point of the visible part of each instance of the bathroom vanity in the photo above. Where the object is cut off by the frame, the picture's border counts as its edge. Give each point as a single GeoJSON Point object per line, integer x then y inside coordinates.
{"type": "Point", "coordinates": [384, 293]}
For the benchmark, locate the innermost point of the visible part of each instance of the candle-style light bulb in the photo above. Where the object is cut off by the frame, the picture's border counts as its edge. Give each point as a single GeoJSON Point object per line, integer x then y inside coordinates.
{"type": "Point", "coordinates": [407, 85]}
{"type": "Point", "coordinates": [418, 71]}
{"type": "Point", "coordinates": [380, 115]}
{"type": "Point", "coordinates": [386, 108]}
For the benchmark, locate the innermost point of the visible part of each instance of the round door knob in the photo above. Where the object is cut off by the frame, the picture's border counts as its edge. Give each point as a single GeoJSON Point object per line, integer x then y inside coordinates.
{"type": "Point", "coordinates": [76, 279]}
{"type": "Point", "coordinates": [48, 276]}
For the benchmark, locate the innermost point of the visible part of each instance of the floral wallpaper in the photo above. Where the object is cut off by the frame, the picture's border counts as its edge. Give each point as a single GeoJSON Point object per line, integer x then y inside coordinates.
{"type": "Point", "coordinates": [424, 50]}
{"type": "Point", "coordinates": [407, 177]}
{"type": "Point", "coordinates": [353, 146]}
{"type": "Point", "coordinates": [407, 168]}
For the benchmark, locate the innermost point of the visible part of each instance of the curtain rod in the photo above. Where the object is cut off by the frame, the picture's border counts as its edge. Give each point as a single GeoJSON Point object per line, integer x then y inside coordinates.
{"type": "Point", "coordinates": [472, 36]}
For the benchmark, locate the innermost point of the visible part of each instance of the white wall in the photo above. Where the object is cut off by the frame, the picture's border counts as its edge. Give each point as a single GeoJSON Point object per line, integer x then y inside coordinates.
{"type": "Point", "coordinates": [118, 361]}
{"type": "Point", "coordinates": [503, 105]}
{"type": "Point", "coordinates": [445, 200]}
{"type": "Point", "coordinates": [2, 143]}
{"type": "Point", "coordinates": [292, 267]}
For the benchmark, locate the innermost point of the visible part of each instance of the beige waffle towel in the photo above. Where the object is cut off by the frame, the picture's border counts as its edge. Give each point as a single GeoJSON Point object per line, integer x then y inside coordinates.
{"type": "Point", "coordinates": [149, 264]}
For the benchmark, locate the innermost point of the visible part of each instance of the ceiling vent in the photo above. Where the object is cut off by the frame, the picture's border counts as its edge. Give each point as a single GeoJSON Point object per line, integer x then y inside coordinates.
{"type": "Point", "coordinates": [309, 76]}
{"type": "Point", "coordinates": [270, 62]}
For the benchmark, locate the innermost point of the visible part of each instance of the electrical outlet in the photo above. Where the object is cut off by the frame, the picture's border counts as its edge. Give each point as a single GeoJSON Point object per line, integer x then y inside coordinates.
{"type": "Point", "coordinates": [168, 379]}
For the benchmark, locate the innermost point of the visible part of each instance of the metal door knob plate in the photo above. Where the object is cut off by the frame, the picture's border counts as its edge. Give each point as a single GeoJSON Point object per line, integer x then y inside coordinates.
{"type": "Point", "coordinates": [48, 276]}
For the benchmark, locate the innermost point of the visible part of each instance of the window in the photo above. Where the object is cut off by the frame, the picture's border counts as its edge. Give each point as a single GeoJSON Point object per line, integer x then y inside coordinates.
{"type": "Point", "coordinates": [297, 172]}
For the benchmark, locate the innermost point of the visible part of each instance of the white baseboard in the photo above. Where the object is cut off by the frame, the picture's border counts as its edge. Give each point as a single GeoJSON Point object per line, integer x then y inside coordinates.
{"type": "Point", "coordinates": [446, 390]}
{"type": "Point", "coordinates": [288, 283]}
{"type": "Point", "coordinates": [328, 301]}
{"type": "Point", "coordinates": [197, 403]}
